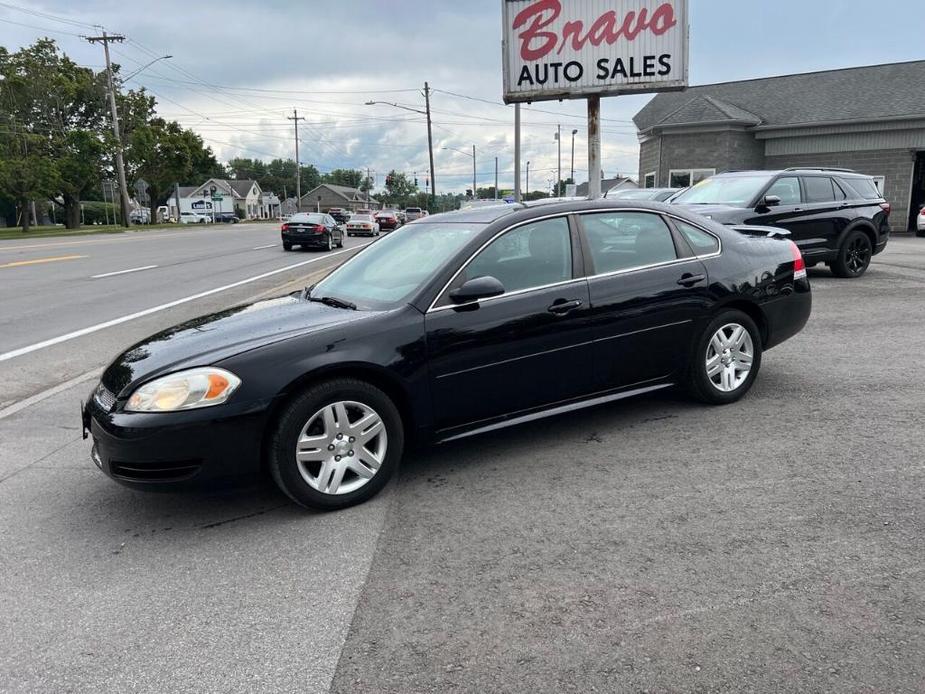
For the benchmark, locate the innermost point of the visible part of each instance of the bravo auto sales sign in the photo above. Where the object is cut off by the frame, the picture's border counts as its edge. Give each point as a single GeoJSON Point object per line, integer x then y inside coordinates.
{"type": "Point", "coordinates": [569, 49]}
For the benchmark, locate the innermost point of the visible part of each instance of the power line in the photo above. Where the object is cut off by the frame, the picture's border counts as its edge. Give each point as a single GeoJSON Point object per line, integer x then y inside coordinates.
{"type": "Point", "coordinates": [45, 15]}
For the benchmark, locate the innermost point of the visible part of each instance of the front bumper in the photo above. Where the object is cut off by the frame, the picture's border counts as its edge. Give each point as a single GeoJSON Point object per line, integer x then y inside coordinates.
{"type": "Point", "coordinates": [175, 450]}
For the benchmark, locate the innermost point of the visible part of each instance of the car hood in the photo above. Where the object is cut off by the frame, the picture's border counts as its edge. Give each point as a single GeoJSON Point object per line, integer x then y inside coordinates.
{"type": "Point", "coordinates": [211, 338]}
{"type": "Point", "coordinates": [721, 213]}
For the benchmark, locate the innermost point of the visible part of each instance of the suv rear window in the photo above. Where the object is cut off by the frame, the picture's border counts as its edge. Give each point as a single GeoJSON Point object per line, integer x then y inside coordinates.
{"type": "Point", "coordinates": [863, 188]}
{"type": "Point", "coordinates": [818, 189]}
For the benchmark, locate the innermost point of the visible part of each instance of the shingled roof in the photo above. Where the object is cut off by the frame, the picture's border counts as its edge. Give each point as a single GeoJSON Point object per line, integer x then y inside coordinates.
{"type": "Point", "coordinates": [859, 93]}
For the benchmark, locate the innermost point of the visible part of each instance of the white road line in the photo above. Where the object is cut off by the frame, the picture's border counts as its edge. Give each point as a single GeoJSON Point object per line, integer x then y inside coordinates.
{"type": "Point", "coordinates": [123, 272]}
{"type": "Point", "coordinates": [269, 245]}
{"type": "Point", "coordinates": [170, 304]}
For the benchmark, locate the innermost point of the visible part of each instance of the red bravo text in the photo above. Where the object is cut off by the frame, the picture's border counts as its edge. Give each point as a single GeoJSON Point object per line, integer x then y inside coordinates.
{"type": "Point", "coordinates": [536, 42]}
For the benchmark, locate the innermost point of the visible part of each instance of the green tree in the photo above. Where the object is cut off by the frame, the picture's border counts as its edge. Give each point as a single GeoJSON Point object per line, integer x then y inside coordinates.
{"type": "Point", "coordinates": [343, 177]}
{"type": "Point", "coordinates": [61, 108]}
{"type": "Point", "coordinates": [26, 177]}
{"type": "Point", "coordinates": [164, 153]}
{"type": "Point", "coordinates": [398, 188]}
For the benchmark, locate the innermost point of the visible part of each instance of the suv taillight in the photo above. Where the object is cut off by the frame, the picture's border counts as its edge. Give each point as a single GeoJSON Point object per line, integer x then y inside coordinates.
{"type": "Point", "coordinates": [886, 207]}
{"type": "Point", "coordinates": [799, 265]}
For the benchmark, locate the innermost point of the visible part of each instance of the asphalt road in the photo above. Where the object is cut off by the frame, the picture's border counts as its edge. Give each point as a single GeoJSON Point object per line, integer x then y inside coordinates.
{"type": "Point", "coordinates": [652, 545]}
{"type": "Point", "coordinates": [53, 288]}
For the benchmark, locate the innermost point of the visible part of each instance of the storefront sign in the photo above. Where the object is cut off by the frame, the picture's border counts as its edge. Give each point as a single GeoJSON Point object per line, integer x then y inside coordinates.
{"type": "Point", "coordinates": [570, 49]}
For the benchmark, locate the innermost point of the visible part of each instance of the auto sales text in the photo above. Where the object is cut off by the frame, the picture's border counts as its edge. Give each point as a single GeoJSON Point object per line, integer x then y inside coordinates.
{"type": "Point", "coordinates": [606, 70]}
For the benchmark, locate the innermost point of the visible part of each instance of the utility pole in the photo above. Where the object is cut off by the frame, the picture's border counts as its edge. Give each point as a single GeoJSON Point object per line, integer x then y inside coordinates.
{"type": "Point", "coordinates": [527, 191]}
{"type": "Point", "coordinates": [474, 194]}
{"type": "Point", "coordinates": [430, 148]}
{"type": "Point", "coordinates": [574, 132]}
{"type": "Point", "coordinates": [496, 178]}
{"type": "Point", "coordinates": [517, 196]}
{"type": "Point", "coordinates": [594, 147]}
{"type": "Point", "coordinates": [558, 192]}
{"type": "Point", "coordinates": [367, 186]}
{"type": "Point", "coordinates": [295, 118]}
{"type": "Point", "coordinates": [120, 162]}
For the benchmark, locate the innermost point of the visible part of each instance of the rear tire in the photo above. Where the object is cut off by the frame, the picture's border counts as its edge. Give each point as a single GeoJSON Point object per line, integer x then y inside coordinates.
{"type": "Point", "coordinates": [853, 256]}
{"type": "Point", "coordinates": [287, 246]}
{"type": "Point", "coordinates": [306, 425]}
{"type": "Point", "coordinates": [920, 233]}
{"type": "Point", "coordinates": [723, 362]}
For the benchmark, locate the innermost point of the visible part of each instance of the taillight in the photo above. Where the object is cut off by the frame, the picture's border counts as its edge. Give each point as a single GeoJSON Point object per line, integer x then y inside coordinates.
{"type": "Point", "coordinates": [799, 265]}
{"type": "Point", "coordinates": [285, 227]}
{"type": "Point", "coordinates": [886, 207]}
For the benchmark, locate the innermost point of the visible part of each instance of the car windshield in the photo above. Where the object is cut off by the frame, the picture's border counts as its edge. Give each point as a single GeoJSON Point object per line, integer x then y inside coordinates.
{"type": "Point", "coordinates": [736, 191]}
{"type": "Point", "coordinates": [389, 271]}
{"type": "Point", "coordinates": [413, 210]}
{"type": "Point", "coordinates": [361, 218]}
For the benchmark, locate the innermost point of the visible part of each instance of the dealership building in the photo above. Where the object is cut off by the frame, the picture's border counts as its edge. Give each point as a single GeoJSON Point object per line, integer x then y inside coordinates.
{"type": "Point", "coordinates": [870, 119]}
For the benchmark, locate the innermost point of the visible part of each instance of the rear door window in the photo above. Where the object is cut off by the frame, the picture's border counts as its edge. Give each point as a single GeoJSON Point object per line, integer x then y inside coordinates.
{"type": "Point", "coordinates": [627, 240]}
{"type": "Point", "coordinates": [787, 189]}
{"type": "Point", "coordinates": [818, 189]}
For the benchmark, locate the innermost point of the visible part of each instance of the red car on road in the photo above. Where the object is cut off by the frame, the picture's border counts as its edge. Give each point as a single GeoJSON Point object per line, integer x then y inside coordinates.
{"type": "Point", "coordinates": [388, 220]}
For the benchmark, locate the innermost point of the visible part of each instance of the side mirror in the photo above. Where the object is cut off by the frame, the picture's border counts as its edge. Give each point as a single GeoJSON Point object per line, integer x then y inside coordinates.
{"type": "Point", "coordinates": [477, 288]}
{"type": "Point", "coordinates": [770, 201]}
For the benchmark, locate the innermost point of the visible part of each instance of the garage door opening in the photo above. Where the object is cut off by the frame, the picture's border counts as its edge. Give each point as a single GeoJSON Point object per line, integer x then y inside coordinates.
{"type": "Point", "coordinates": [918, 189]}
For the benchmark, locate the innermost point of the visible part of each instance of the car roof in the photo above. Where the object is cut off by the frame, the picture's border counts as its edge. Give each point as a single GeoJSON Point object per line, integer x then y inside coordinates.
{"type": "Point", "coordinates": [809, 170]}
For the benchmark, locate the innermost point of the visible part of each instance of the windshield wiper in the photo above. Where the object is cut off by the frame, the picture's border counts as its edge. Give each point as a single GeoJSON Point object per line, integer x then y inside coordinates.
{"type": "Point", "coordinates": [333, 301]}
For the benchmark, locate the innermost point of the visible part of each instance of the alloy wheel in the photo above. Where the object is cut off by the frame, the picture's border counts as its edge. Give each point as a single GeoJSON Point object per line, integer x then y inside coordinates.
{"type": "Point", "coordinates": [729, 358]}
{"type": "Point", "coordinates": [341, 447]}
{"type": "Point", "coordinates": [857, 255]}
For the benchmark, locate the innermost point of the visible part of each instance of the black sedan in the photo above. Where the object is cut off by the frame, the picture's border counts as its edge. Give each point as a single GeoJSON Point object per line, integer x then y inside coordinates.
{"type": "Point", "coordinates": [312, 230]}
{"type": "Point", "coordinates": [459, 324]}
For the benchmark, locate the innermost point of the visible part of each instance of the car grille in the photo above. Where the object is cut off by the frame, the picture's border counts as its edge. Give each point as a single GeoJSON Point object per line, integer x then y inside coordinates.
{"type": "Point", "coordinates": [173, 471]}
{"type": "Point", "coordinates": [104, 397]}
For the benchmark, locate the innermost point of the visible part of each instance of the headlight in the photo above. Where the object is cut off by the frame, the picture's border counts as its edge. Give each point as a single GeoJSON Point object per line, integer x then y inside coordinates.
{"type": "Point", "coordinates": [184, 390]}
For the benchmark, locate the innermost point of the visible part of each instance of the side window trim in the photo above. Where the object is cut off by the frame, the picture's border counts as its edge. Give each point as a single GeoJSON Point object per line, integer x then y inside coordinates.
{"type": "Point", "coordinates": [674, 227]}
{"type": "Point", "coordinates": [437, 305]}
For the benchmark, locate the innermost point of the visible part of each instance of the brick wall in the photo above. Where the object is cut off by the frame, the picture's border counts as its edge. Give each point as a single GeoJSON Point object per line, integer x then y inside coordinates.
{"type": "Point", "coordinates": [648, 160]}
{"type": "Point", "coordinates": [724, 151]}
{"type": "Point", "coordinates": [895, 164]}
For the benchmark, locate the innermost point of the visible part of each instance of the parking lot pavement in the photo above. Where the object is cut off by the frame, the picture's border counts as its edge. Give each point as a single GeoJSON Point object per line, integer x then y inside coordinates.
{"type": "Point", "coordinates": [658, 545]}
{"type": "Point", "coordinates": [651, 545]}
{"type": "Point", "coordinates": [107, 590]}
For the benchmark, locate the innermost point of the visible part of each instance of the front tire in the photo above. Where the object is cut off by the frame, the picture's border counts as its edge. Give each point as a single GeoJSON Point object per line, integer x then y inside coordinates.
{"type": "Point", "coordinates": [330, 246]}
{"type": "Point", "coordinates": [336, 445]}
{"type": "Point", "coordinates": [725, 359]}
{"type": "Point", "coordinates": [853, 256]}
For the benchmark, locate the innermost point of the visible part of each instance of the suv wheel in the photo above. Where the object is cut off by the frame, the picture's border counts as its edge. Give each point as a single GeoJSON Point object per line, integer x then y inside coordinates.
{"type": "Point", "coordinates": [336, 445]}
{"type": "Point", "coordinates": [725, 359]}
{"type": "Point", "coordinates": [853, 256]}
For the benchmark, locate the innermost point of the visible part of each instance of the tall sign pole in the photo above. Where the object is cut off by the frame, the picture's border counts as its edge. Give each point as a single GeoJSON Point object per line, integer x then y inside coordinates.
{"type": "Point", "coordinates": [517, 196]}
{"type": "Point", "coordinates": [554, 50]}
{"type": "Point", "coordinates": [120, 162]}
{"type": "Point", "coordinates": [295, 118]}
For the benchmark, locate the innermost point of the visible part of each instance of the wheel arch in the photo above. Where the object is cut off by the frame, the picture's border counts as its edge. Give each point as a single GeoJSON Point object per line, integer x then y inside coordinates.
{"type": "Point", "coordinates": [858, 225]}
{"type": "Point", "coordinates": [753, 311]}
{"type": "Point", "coordinates": [374, 375]}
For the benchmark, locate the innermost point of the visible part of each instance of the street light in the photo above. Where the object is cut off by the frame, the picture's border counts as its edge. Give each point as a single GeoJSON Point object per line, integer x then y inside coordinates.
{"type": "Point", "coordinates": [430, 137]}
{"type": "Point", "coordinates": [146, 66]}
{"type": "Point", "coordinates": [474, 195]}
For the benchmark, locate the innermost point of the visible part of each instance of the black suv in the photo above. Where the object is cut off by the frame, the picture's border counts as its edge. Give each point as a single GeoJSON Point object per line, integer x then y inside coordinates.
{"type": "Point", "coordinates": [836, 216]}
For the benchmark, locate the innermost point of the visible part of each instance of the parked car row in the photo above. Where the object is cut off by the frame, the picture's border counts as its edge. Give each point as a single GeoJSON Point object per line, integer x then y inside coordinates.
{"type": "Point", "coordinates": [835, 216]}
{"type": "Point", "coordinates": [326, 230]}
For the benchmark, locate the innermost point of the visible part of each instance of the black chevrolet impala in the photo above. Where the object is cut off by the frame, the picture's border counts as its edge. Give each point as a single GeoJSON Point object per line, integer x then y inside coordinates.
{"type": "Point", "coordinates": [454, 325]}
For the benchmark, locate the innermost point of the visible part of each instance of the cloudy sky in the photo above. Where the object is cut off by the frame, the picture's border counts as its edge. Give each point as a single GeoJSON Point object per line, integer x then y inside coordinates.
{"type": "Point", "coordinates": [239, 68]}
